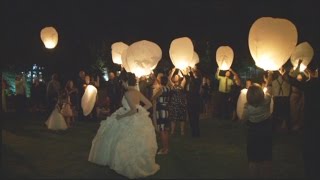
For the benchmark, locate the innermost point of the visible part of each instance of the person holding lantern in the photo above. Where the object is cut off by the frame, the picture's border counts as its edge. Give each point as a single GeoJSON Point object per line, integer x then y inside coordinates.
{"type": "Point", "coordinates": [311, 114]}
{"type": "Point", "coordinates": [296, 99]}
{"type": "Point", "coordinates": [113, 88]}
{"type": "Point", "coordinates": [126, 140]}
{"type": "Point", "coordinates": [257, 115]}
{"type": "Point", "coordinates": [225, 84]}
{"type": "Point", "coordinates": [194, 101]}
{"type": "Point", "coordinates": [178, 100]}
{"type": "Point", "coordinates": [281, 90]}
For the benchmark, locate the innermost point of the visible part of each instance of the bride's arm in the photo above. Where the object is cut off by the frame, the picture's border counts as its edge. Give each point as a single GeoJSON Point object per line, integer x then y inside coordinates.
{"type": "Point", "coordinates": [133, 108]}
{"type": "Point", "coordinates": [146, 102]}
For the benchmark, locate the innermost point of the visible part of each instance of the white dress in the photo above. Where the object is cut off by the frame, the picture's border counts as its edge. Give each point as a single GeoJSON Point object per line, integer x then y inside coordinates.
{"type": "Point", "coordinates": [56, 121]}
{"type": "Point", "coordinates": [127, 145]}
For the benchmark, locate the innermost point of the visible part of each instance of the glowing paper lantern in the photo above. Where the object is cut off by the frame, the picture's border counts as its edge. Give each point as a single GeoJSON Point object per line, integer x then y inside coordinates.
{"type": "Point", "coordinates": [88, 99]}
{"type": "Point", "coordinates": [117, 50]}
{"type": "Point", "coordinates": [142, 56]}
{"type": "Point", "coordinates": [242, 100]}
{"type": "Point", "coordinates": [181, 52]}
{"type": "Point", "coordinates": [124, 60]}
{"type": "Point", "coordinates": [195, 60]}
{"type": "Point", "coordinates": [49, 37]}
{"type": "Point", "coordinates": [303, 51]}
{"type": "Point", "coordinates": [224, 57]}
{"type": "Point", "coordinates": [271, 42]}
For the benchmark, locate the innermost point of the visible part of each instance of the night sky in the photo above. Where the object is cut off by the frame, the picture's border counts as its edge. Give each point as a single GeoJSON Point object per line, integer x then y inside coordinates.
{"type": "Point", "coordinates": [84, 25]}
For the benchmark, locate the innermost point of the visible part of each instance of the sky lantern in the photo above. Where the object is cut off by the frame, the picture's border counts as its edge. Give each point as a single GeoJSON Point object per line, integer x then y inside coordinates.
{"type": "Point", "coordinates": [49, 37]}
{"type": "Point", "coordinates": [181, 52]}
{"type": "Point", "coordinates": [271, 42]}
{"type": "Point", "coordinates": [142, 57]}
{"type": "Point", "coordinates": [124, 61]}
{"type": "Point", "coordinates": [116, 51]}
{"type": "Point", "coordinates": [224, 57]}
{"type": "Point", "coordinates": [195, 60]}
{"type": "Point", "coordinates": [303, 51]}
{"type": "Point", "coordinates": [88, 99]}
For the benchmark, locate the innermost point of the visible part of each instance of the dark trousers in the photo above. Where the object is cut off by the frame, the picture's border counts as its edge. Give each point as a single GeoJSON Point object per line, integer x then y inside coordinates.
{"type": "Point", "coordinates": [224, 107]}
{"type": "Point", "coordinates": [194, 109]}
{"type": "Point", "coordinates": [281, 111]}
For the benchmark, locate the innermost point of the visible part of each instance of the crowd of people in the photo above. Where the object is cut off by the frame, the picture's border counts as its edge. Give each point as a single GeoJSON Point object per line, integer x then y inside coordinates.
{"type": "Point", "coordinates": [179, 97]}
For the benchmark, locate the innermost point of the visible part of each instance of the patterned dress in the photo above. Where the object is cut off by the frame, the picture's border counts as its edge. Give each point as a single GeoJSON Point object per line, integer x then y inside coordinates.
{"type": "Point", "coordinates": [178, 104]}
{"type": "Point", "coordinates": [162, 110]}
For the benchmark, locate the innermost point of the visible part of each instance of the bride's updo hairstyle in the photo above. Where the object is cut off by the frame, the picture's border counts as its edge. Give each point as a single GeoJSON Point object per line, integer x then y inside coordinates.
{"type": "Point", "coordinates": [132, 81]}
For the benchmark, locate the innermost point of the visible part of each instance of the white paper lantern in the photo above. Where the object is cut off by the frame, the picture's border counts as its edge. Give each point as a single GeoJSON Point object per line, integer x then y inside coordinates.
{"type": "Point", "coordinates": [271, 42]}
{"type": "Point", "coordinates": [181, 52]}
{"type": "Point", "coordinates": [152, 68]}
{"type": "Point", "coordinates": [49, 37]}
{"type": "Point", "coordinates": [142, 56]}
{"type": "Point", "coordinates": [303, 51]}
{"type": "Point", "coordinates": [195, 60]}
{"type": "Point", "coordinates": [124, 61]}
{"type": "Point", "coordinates": [117, 50]}
{"type": "Point", "coordinates": [88, 99]}
{"type": "Point", "coordinates": [224, 57]}
{"type": "Point", "coordinates": [243, 99]}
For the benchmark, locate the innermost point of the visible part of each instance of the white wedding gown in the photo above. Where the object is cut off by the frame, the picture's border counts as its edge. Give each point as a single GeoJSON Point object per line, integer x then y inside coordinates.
{"type": "Point", "coordinates": [127, 145]}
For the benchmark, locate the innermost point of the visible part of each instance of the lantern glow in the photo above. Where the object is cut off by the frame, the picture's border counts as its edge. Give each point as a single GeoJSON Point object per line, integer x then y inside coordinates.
{"type": "Point", "coordinates": [124, 61]}
{"type": "Point", "coordinates": [181, 52]}
{"type": "Point", "coordinates": [49, 37]}
{"type": "Point", "coordinates": [88, 99]}
{"type": "Point", "coordinates": [117, 50]}
{"type": "Point", "coordinates": [142, 57]}
{"type": "Point", "coordinates": [195, 60]}
{"type": "Point", "coordinates": [303, 51]}
{"type": "Point", "coordinates": [271, 42]}
{"type": "Point", "coordinates": [224, 57]}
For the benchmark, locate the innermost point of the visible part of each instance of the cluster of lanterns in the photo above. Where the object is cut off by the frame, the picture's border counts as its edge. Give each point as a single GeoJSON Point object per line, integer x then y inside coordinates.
{"type": "Point", "coordinates": [143, 56]}
{"type": "Point", "coordinates": [272, 41]}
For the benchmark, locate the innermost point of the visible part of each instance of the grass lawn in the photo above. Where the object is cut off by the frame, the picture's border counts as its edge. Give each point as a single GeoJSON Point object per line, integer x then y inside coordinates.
{"type": "Point", "coordinates": [30, 150]}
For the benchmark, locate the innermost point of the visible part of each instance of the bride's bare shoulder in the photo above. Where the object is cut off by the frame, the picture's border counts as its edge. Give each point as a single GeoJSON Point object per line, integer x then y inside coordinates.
{"type": "Point", "coordinates": [132, 92]}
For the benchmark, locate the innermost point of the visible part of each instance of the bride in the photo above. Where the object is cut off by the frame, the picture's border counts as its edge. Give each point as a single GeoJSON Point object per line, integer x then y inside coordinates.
{"type": "Point", "coordinates": [126, 141]}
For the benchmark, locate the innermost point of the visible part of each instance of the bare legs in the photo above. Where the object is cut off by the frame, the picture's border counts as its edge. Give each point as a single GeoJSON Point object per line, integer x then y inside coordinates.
{"type": "Point", "coordinates": [173, 126]}
{"type": "Point", "coordinates": [164, 135]}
